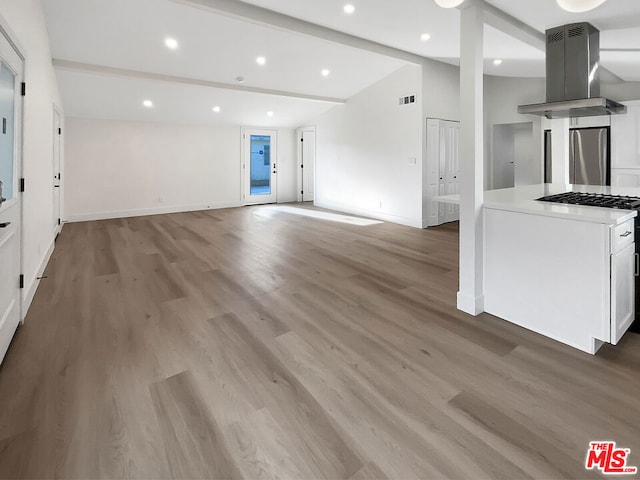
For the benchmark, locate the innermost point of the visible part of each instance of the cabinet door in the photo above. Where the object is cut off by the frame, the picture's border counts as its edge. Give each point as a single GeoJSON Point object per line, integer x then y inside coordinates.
{"type": "Point", "coordinates": [625, 133]}
{"type": "Point", "coordinates": [622, 291]}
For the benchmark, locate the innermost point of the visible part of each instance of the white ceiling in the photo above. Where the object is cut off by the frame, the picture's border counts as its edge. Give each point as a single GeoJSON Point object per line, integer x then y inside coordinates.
{"type": "Point", "coordinates": [129, 34]}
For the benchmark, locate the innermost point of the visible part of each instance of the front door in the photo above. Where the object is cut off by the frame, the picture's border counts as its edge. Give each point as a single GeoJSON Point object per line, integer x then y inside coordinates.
{"type": "Point", "coordinates": [11, 68]}
{"type": "Point", "coordinates": [259, 166]}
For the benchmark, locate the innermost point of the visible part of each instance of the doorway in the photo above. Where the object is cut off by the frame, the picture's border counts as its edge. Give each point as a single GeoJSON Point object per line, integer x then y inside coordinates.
{"type": "Point", "coordinates": [306, 163]}
{"type": "Point", "coordinates": [512, 161]}
{"type": "Point", "coordinates": [11, 280]}
{"type": "Point", "coordinates": [259, 166]}
{"type": "Point", "coordinates": [57, 145]}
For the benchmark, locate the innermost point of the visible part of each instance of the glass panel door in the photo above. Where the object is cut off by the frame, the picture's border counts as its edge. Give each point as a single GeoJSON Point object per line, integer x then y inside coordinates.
{"type": "Point", "coordinates": [7, 161]}
{"type": "Point", "coordinates": [259, 166]}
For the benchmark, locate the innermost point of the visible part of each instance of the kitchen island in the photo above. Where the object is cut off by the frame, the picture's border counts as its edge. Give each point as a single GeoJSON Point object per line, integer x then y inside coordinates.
{"type": "Point", "coordinates": [564, 271]}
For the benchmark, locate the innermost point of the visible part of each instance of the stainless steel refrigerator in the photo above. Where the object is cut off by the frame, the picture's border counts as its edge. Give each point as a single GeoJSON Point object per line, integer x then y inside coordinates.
{"type": "Point", "coordinates": [589, 156]}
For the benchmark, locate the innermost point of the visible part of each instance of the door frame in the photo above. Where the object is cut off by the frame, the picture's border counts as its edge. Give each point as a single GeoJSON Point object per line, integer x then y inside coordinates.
{"type": "Point", "coordinates": [12, 38]}
{"type": "Point", "coordinates": [245, 195]}
{"type": "Point", "coordinates": [300, 173]}
{"type": "Point", "coordinates": [58, 111]}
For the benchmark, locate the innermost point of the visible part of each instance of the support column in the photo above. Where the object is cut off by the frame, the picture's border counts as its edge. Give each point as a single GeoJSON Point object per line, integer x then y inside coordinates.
{"type": "Point", "coordinates": [560, 151]}
{"type": "Point", "coordinates": [471, 294]}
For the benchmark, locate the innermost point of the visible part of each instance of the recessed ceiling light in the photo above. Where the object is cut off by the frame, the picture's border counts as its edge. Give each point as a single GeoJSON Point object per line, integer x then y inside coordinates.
{"type": "Point", "coordinates": [425, 37]}
{"type": "Point", "coordinates": [325, 72]}
{"type": "Point", "coordinates": [449, 3]}
{"type": "Point", "coordinates": [349, 9]}
{"type": "Point", "coordinates": [147, 103]}
{"type": "Point", "coordinates": [261, 61]}
{"type": "Point", "coordinates": [216, 109]}
{"type": "Point", "coordinates": [497, 62]}
{"type": "Point", "coordinates": [269, 114]}
{"type": "Point", "coordinates": [577, 6]}
{"type": "Point", "coordinates": [171, 43]}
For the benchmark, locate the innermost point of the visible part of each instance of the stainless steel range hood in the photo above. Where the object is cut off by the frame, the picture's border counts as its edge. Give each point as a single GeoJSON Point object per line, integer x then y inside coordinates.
{"type": "Point", "coordinates": [573, 75]}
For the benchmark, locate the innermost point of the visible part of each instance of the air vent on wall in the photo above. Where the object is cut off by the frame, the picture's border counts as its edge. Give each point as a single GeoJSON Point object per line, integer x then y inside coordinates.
{"type": "Point", "coordinates": [406, 100]}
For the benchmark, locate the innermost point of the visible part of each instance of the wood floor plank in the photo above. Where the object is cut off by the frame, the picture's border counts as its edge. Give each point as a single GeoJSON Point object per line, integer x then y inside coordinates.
{"type": "Point", "coordinates": [194, 444]}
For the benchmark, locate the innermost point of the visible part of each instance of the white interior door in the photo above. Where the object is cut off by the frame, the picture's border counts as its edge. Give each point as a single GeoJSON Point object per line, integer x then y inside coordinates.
{"type": "Point", "coordinates": [307, 164]}
{"type": "Point", "coordinates": [57, 133]}
{"type": "Point", "coordinates": [452, 168]}
{"type": "Point", "coordinates": [433, 169]}
{"type": "Point", "coordinates": [259, 166]}
{"type": "Point", "coordinates": [11, 68]}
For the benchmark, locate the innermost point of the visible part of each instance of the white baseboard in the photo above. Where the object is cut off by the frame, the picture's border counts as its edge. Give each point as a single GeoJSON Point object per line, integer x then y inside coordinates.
{"type": "Point", "coordinates": [409, 222]}
{"type": "Point", "coordinates": [31, 285]}
{"type": "Point", "coordinates": [470, 304]}
{"type": "Point", "coordinates": [85, 217]}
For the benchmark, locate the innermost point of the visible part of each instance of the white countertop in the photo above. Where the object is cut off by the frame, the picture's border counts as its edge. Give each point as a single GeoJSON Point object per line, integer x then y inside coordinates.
{"type": "Point", "coordinates": [522, 199]}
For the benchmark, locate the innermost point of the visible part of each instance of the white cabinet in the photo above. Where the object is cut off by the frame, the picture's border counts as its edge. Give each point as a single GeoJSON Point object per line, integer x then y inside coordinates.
{"type": "Point", "coordinates": [442, 170]}
{"type": "Point", "coordinates": [625, 177]}
{"type": "Point", "coordinates": [570, 280]}
{"type": "Point", "coordinates": [625, 133]}
{"type": "Point", "coordinates": [623, 269]}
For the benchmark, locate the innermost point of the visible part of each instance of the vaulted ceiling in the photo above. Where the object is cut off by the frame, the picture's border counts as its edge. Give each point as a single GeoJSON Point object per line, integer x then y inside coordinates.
{"type": "Point", "coordinates": [111, 55]}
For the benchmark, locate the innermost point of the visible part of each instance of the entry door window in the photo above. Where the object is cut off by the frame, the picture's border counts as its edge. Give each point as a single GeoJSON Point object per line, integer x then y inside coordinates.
{"type": "Point", "coordinates": [260, 165]}
{"type": "Point", "coordinates": [7, 114]}
{"type": "Point", "coordinates": [259, 162]}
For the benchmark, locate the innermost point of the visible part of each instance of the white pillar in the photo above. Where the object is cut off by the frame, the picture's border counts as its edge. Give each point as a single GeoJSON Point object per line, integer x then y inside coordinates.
{"type": "Point", "coordinates": [560, 151]}
{"type": "Point", "coordinates": [471, 294]}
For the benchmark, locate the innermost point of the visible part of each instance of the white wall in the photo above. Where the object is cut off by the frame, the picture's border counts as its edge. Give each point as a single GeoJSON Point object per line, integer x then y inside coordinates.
{"type": "Point", "coordinates": [363, 150]}
{"type": "Point", "coordinates": [25, 19]}
{"type": "Point", "coordinates": [118, 169]}
{"type": "Point", "coordinates": [502, 95]}
{"type": "Point", "coordinates": [440, 100]}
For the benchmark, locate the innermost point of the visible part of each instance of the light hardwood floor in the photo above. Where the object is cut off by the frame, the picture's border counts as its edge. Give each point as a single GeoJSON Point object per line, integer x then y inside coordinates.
{"type": "Point", "coordinates": [255, 343]}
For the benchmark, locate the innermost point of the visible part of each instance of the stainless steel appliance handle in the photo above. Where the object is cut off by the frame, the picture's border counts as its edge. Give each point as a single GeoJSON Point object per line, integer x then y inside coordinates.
{"type": "Point", "coordinates": [637, 269]}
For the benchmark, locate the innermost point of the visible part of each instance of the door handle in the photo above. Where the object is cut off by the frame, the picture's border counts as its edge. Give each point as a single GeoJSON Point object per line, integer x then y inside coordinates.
{"type": "Point", "coordinates": [626, 234]}
{"type": "Point", "coordinates": [5, 224]}
{"type": "Point", "coordinates": [637, 269]}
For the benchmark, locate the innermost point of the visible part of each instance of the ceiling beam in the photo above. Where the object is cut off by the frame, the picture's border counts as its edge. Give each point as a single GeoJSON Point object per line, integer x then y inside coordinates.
{"type": "Point", "coordinates": [263, 16]}
{"type": "Point", "coordinates": [512, 26]}
{"type": "Point", "coordinates": [138, 75]}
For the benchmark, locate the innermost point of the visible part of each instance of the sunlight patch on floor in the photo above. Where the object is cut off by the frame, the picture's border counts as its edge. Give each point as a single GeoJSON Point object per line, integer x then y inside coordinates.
{"type": "Point", "coordinates": [332, 217]}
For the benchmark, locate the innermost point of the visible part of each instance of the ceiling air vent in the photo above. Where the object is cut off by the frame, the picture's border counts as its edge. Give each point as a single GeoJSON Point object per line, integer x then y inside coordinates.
{"type": "Point", "coordinates": [555, 37]}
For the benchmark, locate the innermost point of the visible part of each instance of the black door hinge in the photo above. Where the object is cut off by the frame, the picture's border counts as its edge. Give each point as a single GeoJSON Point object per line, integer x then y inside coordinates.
{"type": "Point", "coordinates": [301, 192]}
{"type": "Point", "coordinates": [302, 139]}
{"type": "Point", "coordinates": [24, 89]}
{"type": "Point", "coordinates": [22, 185]}
{"type": "Point", "coordinates": [59, 131]}
{"type": "Point", "coordinates": [21, 281]}
{"type": "Point", "coordinates": [302, 165]}
{"type": "Point", "coordinates": [58, 221]}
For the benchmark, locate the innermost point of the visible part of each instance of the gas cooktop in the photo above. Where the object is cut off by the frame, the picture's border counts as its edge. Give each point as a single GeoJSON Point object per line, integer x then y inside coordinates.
{"type": "Point", "coordinates": [594, 200]}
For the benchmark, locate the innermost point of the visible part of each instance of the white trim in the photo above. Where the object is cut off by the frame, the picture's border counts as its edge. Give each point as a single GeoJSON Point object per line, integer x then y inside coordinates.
{"type": "Point", "coordinates": [6, 238]}
{"type": "Point", "coordinates": [10, 35]}
{"type": "Point", "coordinates": [245, 191]}
{"type": "Point", "coordinates": [32, 286]}
{"type": "Point", "coordinates": [409, 222]}
{"type": "Point", "coordinates": [299, 175]}
{"type": "Point", "coordinates": [471, 305]}
{"type": "Point", "coordinates": [141, 212]}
